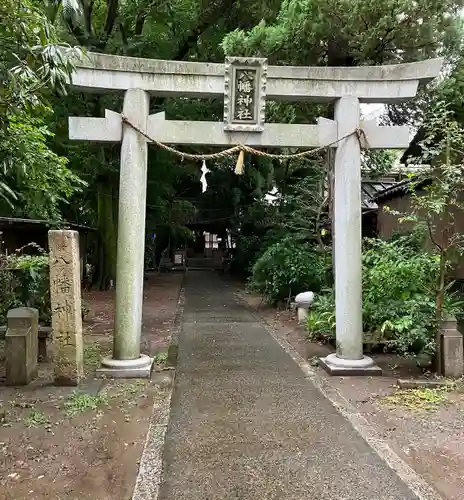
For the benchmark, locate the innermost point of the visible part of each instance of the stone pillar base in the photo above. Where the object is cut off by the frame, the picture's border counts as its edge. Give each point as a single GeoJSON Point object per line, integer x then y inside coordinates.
{"type": "Point", "coordinates": [303, 314]}
{"type": "Point", "coordinates": [127, 368]}
{"type": "Point", "coordinates": [334, 365]}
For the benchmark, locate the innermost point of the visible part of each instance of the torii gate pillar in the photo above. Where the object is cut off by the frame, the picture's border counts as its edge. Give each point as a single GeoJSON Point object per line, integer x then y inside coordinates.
{"type": "Point", "coordinates": [347, 237]}
{"type": "Point", "coordinates": [131, 228]}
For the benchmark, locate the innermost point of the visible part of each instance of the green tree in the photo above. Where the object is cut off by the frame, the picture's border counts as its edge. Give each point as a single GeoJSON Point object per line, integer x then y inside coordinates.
{"type": "Point", "coordinates": [352, 32]}
{"type": "Point", "coordinates": [437, 198]}
{"type": "Point", "coordinates": [378, 163]}
{"type": "Point", "coordinates": [33, 64]}
{"type": "Point", "coordinates": [179, 29]}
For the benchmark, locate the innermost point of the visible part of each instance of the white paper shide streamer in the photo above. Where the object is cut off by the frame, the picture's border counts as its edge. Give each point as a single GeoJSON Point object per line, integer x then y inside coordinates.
{"type": "Point", "coordinates": [204, 170]}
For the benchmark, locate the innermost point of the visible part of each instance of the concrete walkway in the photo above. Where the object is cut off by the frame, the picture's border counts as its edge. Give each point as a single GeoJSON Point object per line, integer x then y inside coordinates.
{"type": "Point", "coordinates": [246, 424]}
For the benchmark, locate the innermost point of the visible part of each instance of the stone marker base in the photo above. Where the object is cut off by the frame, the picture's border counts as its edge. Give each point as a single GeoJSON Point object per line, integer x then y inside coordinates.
{"type": "Point", "coordinates": [334, 365]}
{"type": "Point", "coordinates": [21, 341]}
{"type": "Point", "coordinates": [127, 368]}
{"type": "Point", "coordinates": [420, 384]}
{"type": "Point", "coordinates": [303, 314]}
{"type": "Point", "coordinates": [452, 348]}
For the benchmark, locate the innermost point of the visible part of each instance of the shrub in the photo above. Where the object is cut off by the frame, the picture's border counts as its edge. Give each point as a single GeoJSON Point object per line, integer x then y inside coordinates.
{"type": "Point", "coordinates": [287, 268]}
{"type": "Point", "coordinates": [24, 281]}
{"type": "Point", "coordinates": [399, 294]}
{"type": "Point", "coordinates": [321, 320]}
{"type": "Point", "coordinates": [398, 297]}
{"type": "Point", "coordinates": [247, 247]}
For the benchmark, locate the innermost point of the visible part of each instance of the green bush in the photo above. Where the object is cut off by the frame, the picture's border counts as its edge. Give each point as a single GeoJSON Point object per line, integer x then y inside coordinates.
{"type": "Point", "coordinates": [398, 297]}
{"type": "Point", "coordinates": [24, 281]}
{"type": "Point", "coordinates": [287, 268]}
{"type": "Point", "coordinates": [247, 247]}
{"type": "Point", "coordinates": [399, 293]}
{"type": "Point", "coordinates": [321, 320]}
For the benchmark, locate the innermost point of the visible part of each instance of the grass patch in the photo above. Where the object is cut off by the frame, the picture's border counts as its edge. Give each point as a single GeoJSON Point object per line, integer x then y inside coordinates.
{"type": "Point", "coordinates": [93, 354]}
{"type": "Point", "coordinates": [37, 419]}
{"type": "Point", "coordinates": [161, 357]}
{"type": "Point", "coordinates": [81, 403]}
{"type": "Point", "coordinates": [418, 400]}
{"type": "Point", "coordinates": [127, 390]}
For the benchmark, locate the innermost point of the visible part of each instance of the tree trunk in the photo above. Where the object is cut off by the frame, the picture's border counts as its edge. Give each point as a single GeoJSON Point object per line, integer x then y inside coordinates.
{"type": "Point", "coordinates": [440, 294]}
{"type": "Point", "coordinates": [107, 237]}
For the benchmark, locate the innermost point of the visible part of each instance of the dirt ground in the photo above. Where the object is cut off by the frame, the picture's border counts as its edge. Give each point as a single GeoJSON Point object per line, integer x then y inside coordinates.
{"type": "Point", "coordinates": [86, 443]}
{"type": "Point", "coordinates": [424, 427]}
{"type": "Point", "coordinates": [160, 300]}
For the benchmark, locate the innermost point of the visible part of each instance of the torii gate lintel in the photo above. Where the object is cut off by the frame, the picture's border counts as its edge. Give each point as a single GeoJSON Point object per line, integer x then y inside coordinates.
{"type": "Point", "coordinates": [109, 129]}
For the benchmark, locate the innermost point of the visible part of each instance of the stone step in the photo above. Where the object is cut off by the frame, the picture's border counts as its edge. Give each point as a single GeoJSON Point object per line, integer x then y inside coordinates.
{"type": "Point", "coordinates": [200, 263]}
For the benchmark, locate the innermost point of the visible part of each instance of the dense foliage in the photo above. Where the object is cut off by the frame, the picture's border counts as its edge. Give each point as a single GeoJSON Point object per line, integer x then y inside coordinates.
{"type": "Point", "coordinates": [287, 268]}
{"type": "Point", "coordinates": [399, 279]}
{"type": "Point", "coordinates": [352, 32]}
{"type": "Point", "coordinates": [436, 192]}
{"type": "Point", "coordinates": [25, 282]}
{"type": "Point", "coordinates": [34, 179]}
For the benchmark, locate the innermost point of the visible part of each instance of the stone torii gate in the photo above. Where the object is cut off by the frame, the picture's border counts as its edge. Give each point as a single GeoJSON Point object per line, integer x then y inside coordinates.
{"type": "Point", "coordinates": [245, 84]}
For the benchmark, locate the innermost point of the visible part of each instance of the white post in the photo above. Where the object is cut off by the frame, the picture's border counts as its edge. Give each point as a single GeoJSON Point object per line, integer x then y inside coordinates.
{"type": "Point", "coordinates": [349, 357]}
{"type": "Point", "coordinates": [126, 360]}
{"type": "Point", "coordinates": [347, 222]}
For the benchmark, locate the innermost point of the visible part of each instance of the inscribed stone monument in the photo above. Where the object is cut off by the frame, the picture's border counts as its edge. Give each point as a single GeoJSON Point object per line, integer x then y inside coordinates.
{"type": "Point", "coordinates": [65, 292]}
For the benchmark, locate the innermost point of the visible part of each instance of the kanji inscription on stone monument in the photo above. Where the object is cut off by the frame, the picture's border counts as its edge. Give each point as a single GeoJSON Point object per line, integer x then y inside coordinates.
{"type": "Point", "coordinates": [245, 94]}
{"type": "Point", "coordinates": [65, 294]}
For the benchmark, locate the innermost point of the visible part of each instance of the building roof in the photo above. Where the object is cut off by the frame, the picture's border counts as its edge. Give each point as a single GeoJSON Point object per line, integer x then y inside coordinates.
{"type": "Point", "coordinates": [18, 221]}
{"type": "Point", "coordinates": [414, 150]}
{"type": "Point", "coordinates": [369, 191]}
{"type": "Point", "coordinates": [398, 189]}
